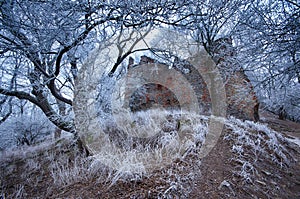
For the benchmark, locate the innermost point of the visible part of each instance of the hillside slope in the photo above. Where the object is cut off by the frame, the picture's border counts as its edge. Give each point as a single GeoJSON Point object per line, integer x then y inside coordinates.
{"type": "Point", "coordinates": [250, 160]}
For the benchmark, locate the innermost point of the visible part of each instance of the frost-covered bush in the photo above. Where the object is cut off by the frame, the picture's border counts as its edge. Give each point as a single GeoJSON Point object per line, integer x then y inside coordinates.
{"type": "Point", "coordinates": [26, 129]}
{"type": "Point", "coordinates": [284, 101]}
{"type": "Point", "coordinates": [279, 95]}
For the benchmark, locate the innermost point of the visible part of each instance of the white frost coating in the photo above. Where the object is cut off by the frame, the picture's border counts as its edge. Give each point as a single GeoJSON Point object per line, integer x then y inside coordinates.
{"type": "Point", "coordinates": [253, 141]}
{"type": "Point", "coordinates": [294, 140]}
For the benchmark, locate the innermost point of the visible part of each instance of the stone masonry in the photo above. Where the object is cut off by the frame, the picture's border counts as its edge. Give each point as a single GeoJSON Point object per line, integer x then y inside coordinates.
{"type": "Point", "coordinates": [241, 99]}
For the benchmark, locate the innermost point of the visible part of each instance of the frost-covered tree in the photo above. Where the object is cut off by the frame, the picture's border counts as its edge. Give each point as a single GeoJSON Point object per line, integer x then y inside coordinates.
{"type": "Point", "coordinates": [215, 20]}
{"type": "Point", "coordinates": [269, 39]}
{"type": "Point", "coordinates": [43, 43]}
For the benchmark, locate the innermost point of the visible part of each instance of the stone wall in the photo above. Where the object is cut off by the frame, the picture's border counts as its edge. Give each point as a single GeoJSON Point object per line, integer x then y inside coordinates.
{"type": "Point", "coordinates": [151, 95]}
{"type": "Point", "coordinates": [241, 99]}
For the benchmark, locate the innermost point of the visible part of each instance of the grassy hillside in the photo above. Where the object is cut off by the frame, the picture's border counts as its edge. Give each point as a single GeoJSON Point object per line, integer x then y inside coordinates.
{"type": "Point", "coordinates": [250, 160]}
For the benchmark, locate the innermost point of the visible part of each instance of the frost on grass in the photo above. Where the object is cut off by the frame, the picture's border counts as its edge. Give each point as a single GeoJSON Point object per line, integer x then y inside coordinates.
{"type": "Point", "coordinates": [170, 167]}
{"type": "Point", "coordinates": [58, 163]}
{"type": "Point", "coordinates": [253, 142]}
{"type": "Point", "coordinates": [173, 163]}
{"type": "Point", "coordinates": [162, 137]}
{"type": "Point", "coordinates": [65, 173]}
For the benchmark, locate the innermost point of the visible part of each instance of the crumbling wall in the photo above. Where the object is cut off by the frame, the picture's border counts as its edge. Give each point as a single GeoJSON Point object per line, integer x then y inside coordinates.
{"type": "Point", "coordinates": [150, 95]}
{"type": "Point", "coordinates": [241, 99]}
